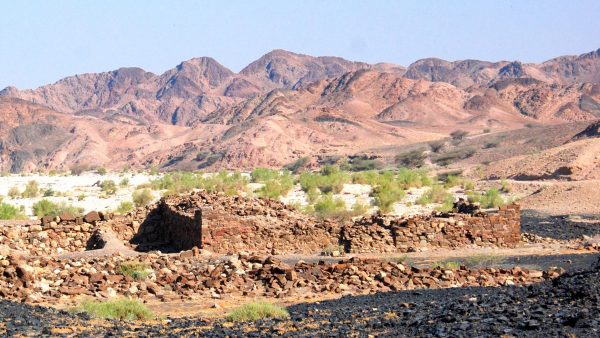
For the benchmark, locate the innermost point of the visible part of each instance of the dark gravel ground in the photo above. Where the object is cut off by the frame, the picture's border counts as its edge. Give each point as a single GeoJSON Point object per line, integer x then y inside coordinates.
{"type": "Point", "coordinates": [566, 307]}
{"type": "Point", "coordinates": [559, 227]}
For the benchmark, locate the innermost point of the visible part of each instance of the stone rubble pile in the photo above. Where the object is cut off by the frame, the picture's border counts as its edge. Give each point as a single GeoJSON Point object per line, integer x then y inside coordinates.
{"type": "Point", "coordinates": [189, 276]}
{"type": "Point", "coordinates": [380, 233]}
{"type": "Point", "coordinates": [51, 235]}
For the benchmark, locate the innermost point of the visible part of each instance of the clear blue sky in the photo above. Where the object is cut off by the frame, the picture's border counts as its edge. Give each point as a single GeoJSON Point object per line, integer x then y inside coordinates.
{"type": "Point", "coordinates": [43, 41]}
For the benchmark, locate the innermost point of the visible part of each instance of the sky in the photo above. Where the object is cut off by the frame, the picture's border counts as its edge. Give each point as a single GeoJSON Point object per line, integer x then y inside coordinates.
{"type": "Point", "coordinates": [44, 41]}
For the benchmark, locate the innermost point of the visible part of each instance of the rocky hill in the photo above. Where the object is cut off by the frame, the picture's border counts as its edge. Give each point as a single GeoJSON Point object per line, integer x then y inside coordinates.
{"type": "Point", "coordinates": [281, 107]}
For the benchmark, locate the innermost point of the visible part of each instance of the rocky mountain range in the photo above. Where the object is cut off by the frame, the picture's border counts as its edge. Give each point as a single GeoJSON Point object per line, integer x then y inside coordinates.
{"type": "Point", "coordinates": [281, 107]}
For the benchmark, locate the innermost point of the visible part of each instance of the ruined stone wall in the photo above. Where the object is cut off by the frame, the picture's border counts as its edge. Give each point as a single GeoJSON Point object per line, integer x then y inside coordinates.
{"type": "Point", "coordinates": [50, 235]}
{"type": "Point", "coordinates": [231, 224]}
{"type": "Point", "coordinates": [394, 234]}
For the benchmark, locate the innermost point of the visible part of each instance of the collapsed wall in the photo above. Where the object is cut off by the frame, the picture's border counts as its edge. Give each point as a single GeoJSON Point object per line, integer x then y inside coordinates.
{"type": "Point", "coordinates": [231, 224]}
{"type": "Point", "coordinates": [378, 233]}
{"type": "Point", "coordinates": [51, 235]}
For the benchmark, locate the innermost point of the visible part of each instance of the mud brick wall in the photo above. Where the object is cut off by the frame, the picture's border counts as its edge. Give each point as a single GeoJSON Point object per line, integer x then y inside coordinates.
{"type": "Point", "coordinates": [181, 230]}
{"type": "Point", "coordinates": [393, 234]}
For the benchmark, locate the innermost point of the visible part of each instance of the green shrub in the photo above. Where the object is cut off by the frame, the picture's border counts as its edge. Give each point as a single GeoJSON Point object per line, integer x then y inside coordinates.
{"type": "Point", "coordinates": [365, 177]}
{"type": "Point", "coordinates": [262, 175]}
{"type": "Point", "coordinates": [153, 170]}
{"type": "Point", "coordinates": [124, 207]}
{"type": "Point", "coordinates": [277, 186]}
{"type": "Point", "coordinates": [412, 159]}
{"type": "Point", "coordinates": [101, 171]}
{"type": "Point", "coordinates": [32, 190]}
{"type": "Point", "coordinates": [122, 309]}
{"type": "Point", "coordinates": [108, 187]}
{"type": "Point", "coordinates": [45, 207]}
{"type": "Point", "coordinates": [228, 183]}
{"type": "Point", "coordinates": [256, 311]}
{"type": "Point", "coordinates": [435, 194]}
{"type": "Point", "coordinates": [142, 197]}
{"type": "Point", "coordinates": [124, 182]}
{"type": "Point", "coordinates": [81, 197]}
{"type": "Point", "coordinates": [492, 199]}
{"type": "Point", "coordinates": [446, 264]}
{"type": "Point", "coordinates": [453, 181]}
{"type": "Point", "coordinates": [386, 195]}
{"type": "Point", "coordinates": [505, 186]}
{"type": "Point", "coordinates": [330, 179]}
{"type": "Point", "coordinates": [413, 178]}
{"type": "Point", "coordinates": [9, 212]}
{"type": "Point", "coordinates": [328, 207]}
{"type": "Point", "coordinates": [447, 204]}
{"type": "Point", "coordinates": [14, 192]}
{"type": "Point", "coordinates": [49, 192]}
{"type": "Point", "coordinates": [135, 270]}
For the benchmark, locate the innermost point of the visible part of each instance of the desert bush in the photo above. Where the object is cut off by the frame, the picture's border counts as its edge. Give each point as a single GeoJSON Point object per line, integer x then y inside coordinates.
{"type": "Point", "coordinates": [446, 264]}
{"type": "Point", "coordinates": [482, 261]}
{"type": "Point", "coordinates": [124, 207]}
{"type": "Point", "coordinates": [362, 163]}
{"type": "Point", "coordinates": [492, 199]}
{"type": "Point", "coordinates": [332, 250]}
{"type": "Point", "coordinates": [435, 194]}
{"type": "Point", "coordinates": [491, 144]}
{"type": "Point", "coordinates": [124, 182]}
{"type": "Point", "coordinates": [48, 193]}
{"type": "Point", "coordinates": [142, 197]}
{"type": "Point", "coordinates": [459, 134]}
{"type": "Point", "coordinates": [278, 186]}
{"type": "Point", "coordinates": [413, 178]}
{"type": "Point", "coordinates": [101, 171]}
{"type": "Point", "coordinates": [256, 311]}
{"type": "Point", "coordinates": [78, 169]}
{"type": "Point", "coordinates": [369, 177]}
{"type": "Point", "coordinates": [135, 270]}
{"type": "Point", "coordinates": [330, 179]}
{"type": "Point", "coordinates": [261, 175]}
{"type": "Point", "coordinates": [386, 195]}
{"type": "Point", "coordinates": [81, 197]}
{"type": "Point", "coordinates": [487, 130]}
{"type": "Point", "coordinates": [14, 192]}
{"type": "Point", "coordinates": [108, 187]}
{"type": "Point", "coordinates": [328, 207]}
{"type": "Point", "coordinates": [455, 180]}
{"type": "Point", "coordinates": [45, 207]}
{"type": "Point", "coordinates": [32, 190]}
{"type": "Point", "coordinates": [9, 212]}
{"type": "Point", "coordinates": [121, 309]}
{"type": "Point", "coordinates": [228, 183]}
{"type": "Point", "coordinates": [505, 187]}
{"type": "Point", "coordinates": [412, 159]}
{"type": "Point", "coordinates": [436, 146]}
{"type": "Point", "coordinates": [296, 166]}
{"type": "Point", "coordinates": [447, 205]}
{"type": "Point", "coordinates": [454, 156]}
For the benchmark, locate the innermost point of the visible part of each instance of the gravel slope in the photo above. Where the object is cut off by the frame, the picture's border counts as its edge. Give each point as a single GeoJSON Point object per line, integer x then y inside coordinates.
{"type": "Point", "coordinates": [567, 305]}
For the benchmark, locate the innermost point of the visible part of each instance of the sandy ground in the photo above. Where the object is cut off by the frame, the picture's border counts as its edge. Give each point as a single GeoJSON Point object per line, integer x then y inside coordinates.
{"type": "Point", "coordinates": [69, 188]}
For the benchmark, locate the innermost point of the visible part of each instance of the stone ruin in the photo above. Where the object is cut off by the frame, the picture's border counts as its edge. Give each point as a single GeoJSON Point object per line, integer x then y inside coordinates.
{"type": "Point", "coordinates": [230, 224]}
